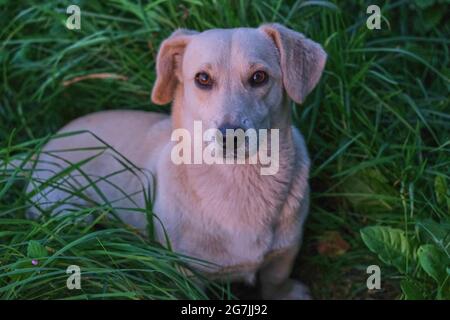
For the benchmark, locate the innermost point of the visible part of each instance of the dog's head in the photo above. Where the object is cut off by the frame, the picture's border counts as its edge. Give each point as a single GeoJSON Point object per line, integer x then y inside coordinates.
{"type": "Point", "coordinates": [235, 78]}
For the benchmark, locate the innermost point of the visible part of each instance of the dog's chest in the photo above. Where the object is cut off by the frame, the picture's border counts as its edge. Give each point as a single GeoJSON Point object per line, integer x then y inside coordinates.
{"type": "Point", "coordinates": [229, 225]}
{"type": "Point", "coordinates": [236, 250]}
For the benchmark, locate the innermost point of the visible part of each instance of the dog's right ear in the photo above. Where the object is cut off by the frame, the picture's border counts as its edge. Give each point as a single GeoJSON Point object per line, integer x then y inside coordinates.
{"type": "Point", "coordinates": [168, 65]}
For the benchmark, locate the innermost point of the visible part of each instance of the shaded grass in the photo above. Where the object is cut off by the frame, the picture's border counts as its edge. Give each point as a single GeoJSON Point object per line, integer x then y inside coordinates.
{"type": "Point", "coordinates": [377, 128]}
{"type": "Point", "coordinates": [116, 260]}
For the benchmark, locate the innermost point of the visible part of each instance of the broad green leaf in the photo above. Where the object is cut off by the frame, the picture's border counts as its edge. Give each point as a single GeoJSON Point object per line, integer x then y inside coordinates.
{"type": "Point", "coordinates": [391, 245]}
{"type": "Point", "coordinates": [433, 261]}
{"type": "Point", "coordinates": [35, 250]}
{"type": "Point", "coordinates": [367, 191]}
{"type": "Point", "coordinates": [437, 232]}
{"type": "Point", "coordinates": [412, 290]}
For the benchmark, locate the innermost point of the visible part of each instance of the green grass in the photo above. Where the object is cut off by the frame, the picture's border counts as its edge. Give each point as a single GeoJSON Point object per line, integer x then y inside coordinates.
{"type": "Point", "coordinates": [377, 128]}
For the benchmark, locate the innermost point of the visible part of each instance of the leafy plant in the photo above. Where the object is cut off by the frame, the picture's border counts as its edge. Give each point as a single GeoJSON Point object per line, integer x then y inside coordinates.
{"type": "Point", "coordinates": [419, 265]}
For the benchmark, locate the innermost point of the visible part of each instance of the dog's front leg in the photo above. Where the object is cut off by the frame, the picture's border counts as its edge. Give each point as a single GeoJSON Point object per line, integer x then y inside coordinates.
{"type": "Point", "coordinates": [274, 277]}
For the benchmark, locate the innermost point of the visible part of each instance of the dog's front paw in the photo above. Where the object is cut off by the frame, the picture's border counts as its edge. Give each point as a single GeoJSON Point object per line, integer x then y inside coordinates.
{"type": "Point", "coordinates": [289, 290]}
{"type": "Point", "coordinates": [297, 291]}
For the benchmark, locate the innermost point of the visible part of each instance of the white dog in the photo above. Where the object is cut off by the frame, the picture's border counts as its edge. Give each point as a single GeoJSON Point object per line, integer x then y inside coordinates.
{"type": "Point", "coordinates": [230, 215]}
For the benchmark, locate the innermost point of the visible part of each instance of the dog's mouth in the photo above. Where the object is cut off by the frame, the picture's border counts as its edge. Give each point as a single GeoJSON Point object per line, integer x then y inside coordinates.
{"type": "Point", "coordinates": [236, 146]}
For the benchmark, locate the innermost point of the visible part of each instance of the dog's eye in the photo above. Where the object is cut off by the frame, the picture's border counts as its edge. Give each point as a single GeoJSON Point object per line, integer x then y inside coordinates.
{"type": "Point", "coordinates": [258, 78]}
{"type": "Point", "coordinates": [203, 80]}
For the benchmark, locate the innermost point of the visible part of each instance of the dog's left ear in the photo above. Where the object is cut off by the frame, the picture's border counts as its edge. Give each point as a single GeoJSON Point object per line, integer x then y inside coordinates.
{"type": "Point", "coordinates": [302, 60]}
{"type": "Point", "coordinates": [168, 65]}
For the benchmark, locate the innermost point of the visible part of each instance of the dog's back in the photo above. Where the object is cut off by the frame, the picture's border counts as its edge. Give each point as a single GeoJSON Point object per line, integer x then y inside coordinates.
{"type": "Point", "coordinates": [93, 157]}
